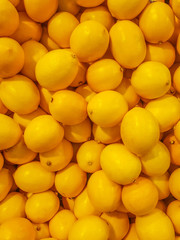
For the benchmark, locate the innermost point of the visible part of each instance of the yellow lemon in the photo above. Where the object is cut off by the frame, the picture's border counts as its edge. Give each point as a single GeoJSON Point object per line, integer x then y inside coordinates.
{"type": "Point", "coordinates": [166, 110]}
{"type": "Point", "coordinates": [10, 132]}
{"type": "Point", "coordinates": [45, 98]}
{"type": "Point", "coordinates": [173, 183]}
{"type": "Point", "coordinates": [40, 10]}
{"type": "Point", "coordinates": [139, 130]}
{"type": "Point", "coordinates": [151, 80]}
{"type": "Point", "coordinates": [56, 69]}
{"type": "Point", "coordinates": [105, 74]}
{"type": "Point", "coordinates": [156, 161]}
{"type": "Point", "coordinates": [126, 10]}
{"type": "Point", "coordinates": [57, 158]}
{"type": "Point", "coordinates": [107, 108]}
{"type": "Point", "coordinates": [19, 94]}
{"type": "Point", "coordinates": [47, 41]}
{"type": "Point", "coordinates": [177, 131]}
{"type": "Point", "coordinates": [60, 28]}
{"type": "Point", "coordinates": [92, 34]}
{"type": "Point", "coordinates": [89, 227]}
{"type": "Point", "coordinates": [33, 51]}
{"type": "Point", "coordinates": [88, 156]}
{"type": "Point", "coordinates": [173, 214]}
{"type": "Point", "coordinates": [63, 103]}
{"type": "Point", "coordinates": [127, 44]}
{"type": "Point", "coordinates": [87, 3]}
{"type": "Point", "coordinates": [12, 57]}
{"type": "Point", "coordinates": [176, 83]}
{"type": "Point", "coordinates": [69, 6]}
{"type": "Point", "coordinates": [104, 194]}
{"type": "Point", "coordinates": [42, 230]}
{"type": "Point", "coordinates": [19, 153]}
{"type": "Point", "coordinates": [83, 206]}
{"type": "Point", "coordinates": [12, 206]}
{"type": "Point", "coordinates": [86, 92]}
{"type": "Point", "coordinates": [39, 140]}
{"type": "Point", "coordinates": [132, 234]}
{"type": "Point", "coordinates": [61, 224]}
{"type": "Point", "coordinates": [41, 207]}
{"type": "Point", "coordinates": [120, 165]}
{"type": "Point", "coordinates": [32, 177]}
{"type": "Point", "coordinates": [151, 225]}
{"type": "Point", "coordinates": [6, 182]}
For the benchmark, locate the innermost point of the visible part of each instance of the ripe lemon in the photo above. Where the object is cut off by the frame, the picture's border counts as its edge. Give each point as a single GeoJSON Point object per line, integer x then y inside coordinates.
{"type": "Point", "coordinates": [87, 3]}
{"type": "Point", "coordinates": [86, 92]}
{"type": "Point", "coordinates": [10, 132]}
{"type": "Point", "coordinates": [81, 75]}
{"type": "Point", "coordinates": [42, 230]}
{"type": "Point", "coordinates": [17, 90]}
{"type": "Point", "coordinates": [83, 206]}
{"type": "Point", "coordinates": [45, 98]}
{"type": "Point", "coordinates": [41, 10]}
{"type": "Point", "coordinates": [6, 182]}
{"type": "Point", "coordinates": [166, 116]}
{"type": "Point", "coordinates": [57, 69]}
{"type": "Point", "coordinates": [151, 225]}
{"type": "Point", "coordinates": [33, 51]}
{"type": "Point", "coordinates": [173, 183]}
{"type": "Point", "coordinates": [176, 82]}
{"type": "Point", "coordinates": [39, 140]}
{"type": "Point", "coordinates": [32, 177]}
{"type": "Point", "coordinates": [60, 28]}
{"type": "Point", "coordinates": [105, 74]}
{"type": "Point", "coordinates": [157, 22]}
{"type": "Point", "coordinates": [61, 224]}
{"type": "Point", "coordinates": [89, 227]}
{"type": "Point", "coordinates": [127, 44]}
{"type": "Point", "coordinates": [47, 41]}
{"type": "Point", "coordinates": [173, 214]}
{"type": "Point", "coordinates": [69, 6]}
{"type": "Point", "coordinates": [22, 228]}
{"type": "Point", "coordinates": [175, 7]}
{"type": "Point", "coordinates": [70, 181]}
{"type": "Point", "coordinates": [107, 108]}
{"type": "Point", "coordinates": [139, 130]}
{"type": "Point", "coordinates": [1, 161]}
{"type": "Point", "coordinates": [12, 206]}
{"type": "Point", "coordinates": [151, 80]}
{"type": "Point", "coordinates": [92, 34]}
{"type": "Point", "coordinates": [156, 161]}
{"type": "Point", "coordinates": [41, 207]}
{"type": "Point", "coordinates": [132, 234]}
{"type": "Point", "coordinates": [118, 224]}
{"type": "Point", "coordinates": [12, 57]}
{"type": "Point", "coordinates": [8, 14]}
{"type": "Point", "coordinates": [57, 158]}
{"type": "Point", "coordinates": [104, 194]}
{"type": "Point", "coordinates": [63, 103]}
{"type": "Point", "coordinates": [88, 156]}
{"type": "Point", "coordinates": [19, 153]}
{"type": "Point", "coordinates": [177, 131]}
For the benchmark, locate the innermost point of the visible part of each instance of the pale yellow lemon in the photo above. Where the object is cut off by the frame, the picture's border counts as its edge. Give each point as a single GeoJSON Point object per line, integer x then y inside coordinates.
{"type": "Point", "coordinates": [60, 28]}
{"type": "Point", "coordinates": [33, 51]}
{"type": "Point", "coordinates": [151, 225]}
{"type": "Point", "coordinates": [83, 206]}
{"type": "Point", "coordinates": [107, 108]}
{"type": "Point", "coordinates": [100, 14]}
{"type": "Point", "coordinates": [106, 135]}
{"type": "Point", "coordinates": [19, 94]}
{"type": "Point", "coordinates": [6, 182]}
{"type": "Point", "coordinates": [12, 57]}
{"type": "Point", "coordinates": [66, 102]}
{"type": "Point", "coordinates": [157, 22]}
{"type": "Point", "coordinates": [119, 164]}
{"type": "Point", "coordinates": [61, 224]}
{"type": "Point", "coordinates": [156, 161]}
{"type": "Point", "coordinates": [105, 74]}
{"type": "Point", "coordinates": [78, 133]}
{"type": "Point", "coordinates": [88, 156]}
{"type": "Point", "coordinates": [139, 130]}
{"type": "Point", "coordinates": [57, 158]}
{"type": "Point", "coordinates": [103, 193]}
{"type": "Point", "coordinates": [92, 34]}
{"type": "Point", "coordinates": [166, 116]}
{"type": "Point", "coordinates": [40, 10]}
{"type": "Point", "coordinates": [151, 80]}
{"type": "Point", "coordinates": [39, 140]}
{"type": "Point", "coordinates": [127, 44]}
{"type": "Point", "coordinates": [19, 153]}
{"type": "Point", "coordinates": [71, 180]}
{"type": "Point", "coordinates": [12, 206]}
{"type": "Point", "coordinates": [56, 69]}
{"type": "Point", "coordinates": [89, 227]}
{"type": "Point", "coordinates": [10, 132]}
{"type": "Point", "coordinates": [32, 177]}
{"type": "Point", "coordinates": [123, 10]}
{"type": "Point", "coordinates": [41, 207]}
